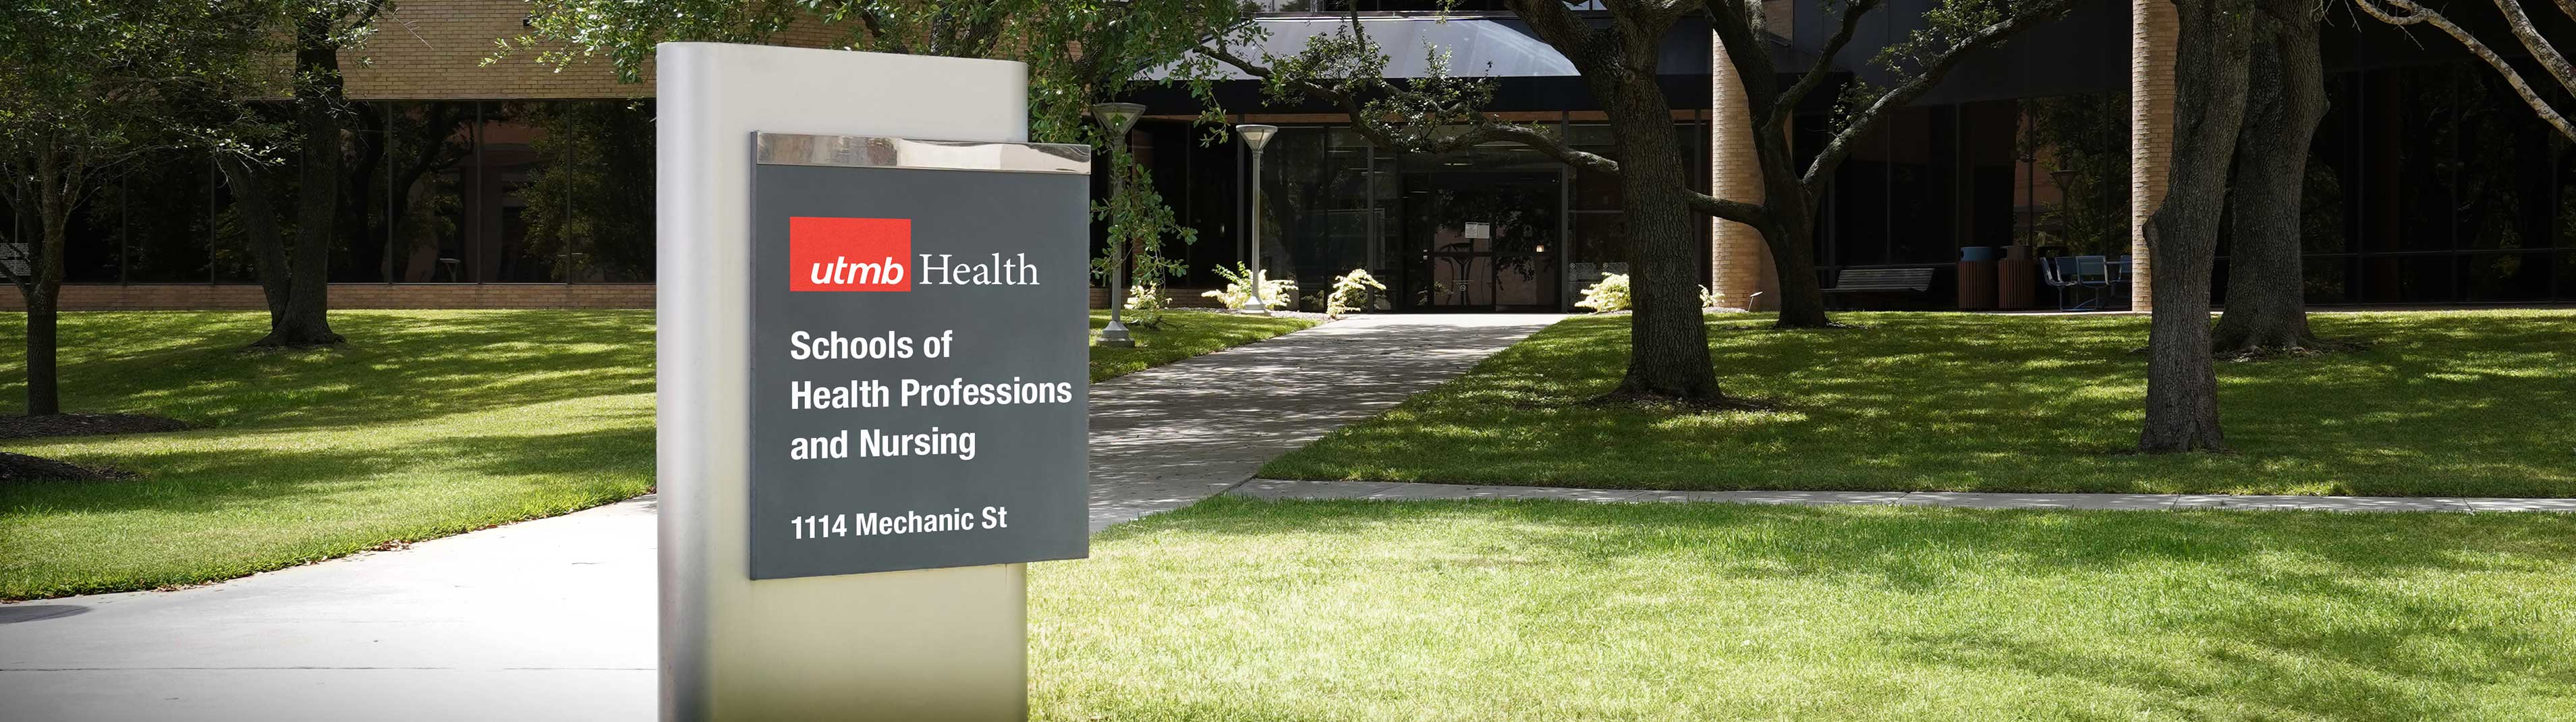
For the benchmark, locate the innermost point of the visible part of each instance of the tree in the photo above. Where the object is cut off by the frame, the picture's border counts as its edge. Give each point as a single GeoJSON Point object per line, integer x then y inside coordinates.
{"type": "Point", "coordinates": [2408, 13]}
{"type": "Point", "coordinates": [2213, 65]}
{"type": "Point", "coordinates": [2267, 306]}
{"type": "Point", "coordinates": [1786, 215]}
{"type": "Point", "coordinates": [1668, 356]}
{"type": "Point", "coordinates": [1078, 52]}
{"type": "Point", "coordinates": [91, 85]}
{"type": "Point", "coordinates": [297, 281]}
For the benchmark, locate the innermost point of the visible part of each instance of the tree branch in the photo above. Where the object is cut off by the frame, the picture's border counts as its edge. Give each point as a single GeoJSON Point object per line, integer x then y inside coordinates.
{"type": "Point", "coordinates": [2541, 51]}
{"type": "Point", "coordinates": [1860, 123]}
{"type": "Point", "coordinates": [1824, 67]}
{"type": "Point", "coordinates": [1481, 127]}
{"type": "Point", "coordinates": [2406, 12]}
{"type": "Point", "coordinates": [1556, 25]}
{"type": "Point", "coordinates": [1751, 214]}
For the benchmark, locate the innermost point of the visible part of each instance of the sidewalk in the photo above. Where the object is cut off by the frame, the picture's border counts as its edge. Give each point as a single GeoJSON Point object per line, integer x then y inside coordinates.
{"type": "Point", "coordinates": [549, 619]}
{"type": "Point", "coordinates": [553, 619]}
{"type": "Point", "coordinates": [1166, 437]}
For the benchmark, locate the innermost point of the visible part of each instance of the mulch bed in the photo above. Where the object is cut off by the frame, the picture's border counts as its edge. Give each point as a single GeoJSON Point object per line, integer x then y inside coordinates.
{"type": "Point", "coordinates": [21, 467]}
{"type": "Point", "coordinates": [28, 427]}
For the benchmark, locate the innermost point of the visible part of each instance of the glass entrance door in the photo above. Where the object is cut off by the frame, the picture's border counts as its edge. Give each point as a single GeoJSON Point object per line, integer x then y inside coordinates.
{"type": "Point", "coordinates": [1482, 240]}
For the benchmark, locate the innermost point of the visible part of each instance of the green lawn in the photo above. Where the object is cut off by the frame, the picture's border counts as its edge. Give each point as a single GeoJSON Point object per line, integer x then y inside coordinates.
{"type": "Point", "coordinates": [1249, 610]}
{"type": "Point", "coordinates": [2469, 403]}
{"type": "Point", "coordinates": [429, 424]}
{"type": "Point", "coordinates": [1183, 334]}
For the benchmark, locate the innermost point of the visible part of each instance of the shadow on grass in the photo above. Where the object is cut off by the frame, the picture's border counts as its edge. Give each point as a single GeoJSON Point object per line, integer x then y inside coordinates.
{"type": "Point", "coordinates": [397, 365]}
{"type": "Point", "coordinates": [2225, 614]}
{"type": "Point", "coordinates": [2449, 403]}
{"type": "Point", "coordinates": [186, 479]}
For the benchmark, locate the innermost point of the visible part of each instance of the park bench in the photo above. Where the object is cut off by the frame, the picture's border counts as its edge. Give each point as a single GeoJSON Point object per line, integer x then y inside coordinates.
{"type": "Point", "coordinates": [1888, 281]}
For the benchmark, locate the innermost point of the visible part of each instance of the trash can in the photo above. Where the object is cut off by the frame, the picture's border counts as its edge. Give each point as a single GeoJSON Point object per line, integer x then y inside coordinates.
{"type": "Point", "coordinates": [1977, 278]}
{"type": "Point", "coordinates": [2017, 279]}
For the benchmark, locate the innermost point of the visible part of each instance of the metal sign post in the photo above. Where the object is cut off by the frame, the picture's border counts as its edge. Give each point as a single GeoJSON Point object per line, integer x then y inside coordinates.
{"type": "Point", "coordinates": [872, 369]}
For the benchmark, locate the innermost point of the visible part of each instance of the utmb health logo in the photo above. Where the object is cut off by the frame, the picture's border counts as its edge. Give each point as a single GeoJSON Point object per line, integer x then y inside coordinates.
{"type": "Point", "coordinates": [875, 254]}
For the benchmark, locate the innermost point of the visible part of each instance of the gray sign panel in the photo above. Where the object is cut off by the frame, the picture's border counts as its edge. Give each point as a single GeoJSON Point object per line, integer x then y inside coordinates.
{"type": "Point", "coordinates": [919, 359]}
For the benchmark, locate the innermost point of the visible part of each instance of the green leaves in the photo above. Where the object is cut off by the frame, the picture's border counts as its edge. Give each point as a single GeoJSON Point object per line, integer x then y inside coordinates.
{"type": "Point", "coordinates": [1138, 218]}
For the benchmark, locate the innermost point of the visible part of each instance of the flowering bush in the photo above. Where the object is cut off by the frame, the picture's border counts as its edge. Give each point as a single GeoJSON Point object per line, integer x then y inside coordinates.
{"type": "Point", "coordinates": [1611, 294]}
{"type": "Point", "coordinates": [1239, 282]}
{"type": "Point", "coordinates": [1352, 292]}
{"type": "Point", "coordinates": [1145, 304]}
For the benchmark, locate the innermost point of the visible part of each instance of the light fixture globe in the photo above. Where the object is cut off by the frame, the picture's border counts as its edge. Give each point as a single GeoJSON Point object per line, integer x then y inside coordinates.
{"type": "Point", "coordinates": [1116, 117]}
{"type": "Point", "coordinates": [1256, 135]}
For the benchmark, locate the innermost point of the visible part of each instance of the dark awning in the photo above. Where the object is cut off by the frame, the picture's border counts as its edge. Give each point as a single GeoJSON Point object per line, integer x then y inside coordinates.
{"type": "Point", "coordinates": [1497, 47]}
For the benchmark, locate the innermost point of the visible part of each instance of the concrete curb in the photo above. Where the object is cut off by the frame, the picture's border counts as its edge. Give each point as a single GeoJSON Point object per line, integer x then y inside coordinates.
{"type": "Point", "coordinates": [1407, 491]}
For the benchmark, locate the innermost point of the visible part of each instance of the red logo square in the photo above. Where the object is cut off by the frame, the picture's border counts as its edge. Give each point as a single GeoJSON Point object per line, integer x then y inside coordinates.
{"type": "Point", "coordinates": [849, 254]}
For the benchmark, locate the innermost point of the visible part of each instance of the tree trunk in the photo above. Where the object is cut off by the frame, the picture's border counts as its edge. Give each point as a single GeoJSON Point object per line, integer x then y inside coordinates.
{"type": "Point", "coordinates": [251, 205]}
{"type": "Point", "coordinates": [2210, 79]}
{"type": "Point", "coordinates": [1668, 332]}
{"type": "Point", "coordinates": [42, 289]}
{"type": "Point", "coordinates": [318, 109]}
{"type": "Point", "coordinates": [2266, 286]}
{"type": "Point", "coordinates": [1792, 234]}
{"type": "Point", "coordinates": [1793, 257]}
{"type": "Point", "coordinates": [44, 392]}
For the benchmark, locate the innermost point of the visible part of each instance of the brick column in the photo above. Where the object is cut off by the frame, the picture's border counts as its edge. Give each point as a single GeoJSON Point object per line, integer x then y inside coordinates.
{"type": "Point", "coordinates": [2154, 30]}
{"type": "Point", "coordinates": [1739, 263]}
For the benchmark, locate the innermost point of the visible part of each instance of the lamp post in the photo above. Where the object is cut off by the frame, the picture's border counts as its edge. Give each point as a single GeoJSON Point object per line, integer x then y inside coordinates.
{"type": "Point", "coordinates": [1115, 119]}
{"type": "Point", "coordinates": [1256, 136]}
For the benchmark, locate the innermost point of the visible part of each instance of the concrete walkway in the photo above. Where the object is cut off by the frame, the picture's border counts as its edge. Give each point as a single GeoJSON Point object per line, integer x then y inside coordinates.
{"type": "Point", "coordinates": [550, 619]}
{"type": "Point", "coordinates": [1405, 491]}
{"type": "Point", "coordinates": [1166, 437]}
{"type": "Point", "coordinates": [554, 619]}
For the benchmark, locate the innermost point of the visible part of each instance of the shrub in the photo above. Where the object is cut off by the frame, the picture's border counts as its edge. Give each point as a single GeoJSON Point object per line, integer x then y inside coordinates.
{"type": "Point", "coordinates": [1239, 281]}
{"type": "Point", "coordinates": [1145, 304]}
{"type": "Point", "coordinates": [1611, 294]}
{"type": "Point", "coordinates": [1352, 292]}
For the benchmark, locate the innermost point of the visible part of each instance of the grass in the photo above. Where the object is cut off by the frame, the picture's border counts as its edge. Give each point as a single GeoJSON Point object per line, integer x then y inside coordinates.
{"type": "Point", "coordinates": [430, 423]}
{"type": "Point", "coordinates": [1182, 334]}
{"type": "Point", "coordinates": [2465, 403]}
{"type": "Point", "coordinates": [1250, 610]}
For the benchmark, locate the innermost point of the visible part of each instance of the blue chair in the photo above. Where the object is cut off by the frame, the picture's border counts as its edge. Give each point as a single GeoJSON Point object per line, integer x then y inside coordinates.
{"type": "Point", "coordinates": [2065, 272]}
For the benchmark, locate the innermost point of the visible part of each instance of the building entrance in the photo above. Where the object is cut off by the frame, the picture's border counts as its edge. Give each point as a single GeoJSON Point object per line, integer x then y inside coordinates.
{"type": "Point", "coordinates": [1483, 240]}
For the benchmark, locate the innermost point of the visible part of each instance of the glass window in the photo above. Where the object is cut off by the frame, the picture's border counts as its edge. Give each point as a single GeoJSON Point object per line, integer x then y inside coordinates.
{"type": "Point", "coordinates": [590, 200]}
{"type": "Point", "coordinates": [2409, 279]}
{"type": "Point", "coordinates": [2505, 277]}
{"type": "Point", "coordinates": [507, 164]}
{"type": "Point", "coordinates": [2327, 207]}
{"type": "Point", "coordinates": [2567, 276]}
{"type": "Point", "coordinates": [1860, 208]}
{"type": "Point", "coordinates": [91, 243]}
{"type": "Point", "coordinates": [2420, 135]}
{"type": "Point", "coordinates": [167, 219]}
{"type": "Point", "coordinates": [1922, 158]}
{"type": "Point", "coordinates": [1600, 238]}
{"type": "Point", "coordinates": [2079, 145]}
{"type": "Point", "coordinates": [2330, 279]}
{"type": "Point", "coordinates": [429, 149]}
